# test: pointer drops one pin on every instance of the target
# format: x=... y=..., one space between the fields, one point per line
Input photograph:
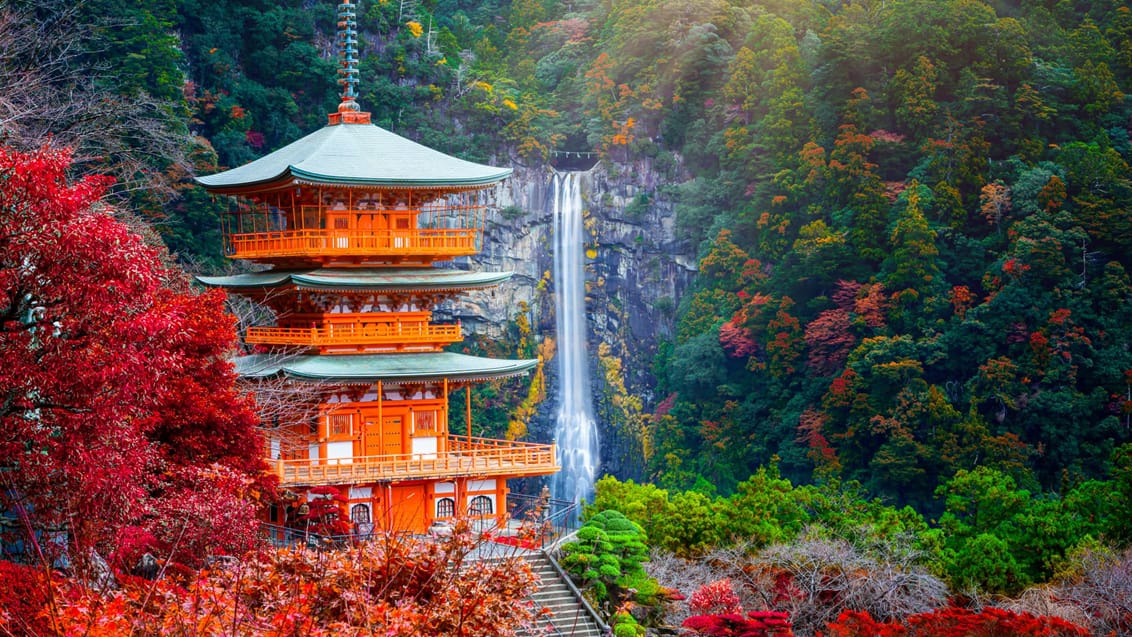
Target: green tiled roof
x=397 y=279
x=384 y=367
x=357 y=154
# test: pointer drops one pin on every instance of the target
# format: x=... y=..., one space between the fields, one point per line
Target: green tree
x=608 y=556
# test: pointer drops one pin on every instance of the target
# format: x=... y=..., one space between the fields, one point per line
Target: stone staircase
x=565 y=613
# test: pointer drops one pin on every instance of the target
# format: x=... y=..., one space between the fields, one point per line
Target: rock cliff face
x=635 y=273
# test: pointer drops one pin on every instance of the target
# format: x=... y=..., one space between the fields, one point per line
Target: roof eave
x=305 y=177
x=475 y=377
x=290 y=281
x=296 y=177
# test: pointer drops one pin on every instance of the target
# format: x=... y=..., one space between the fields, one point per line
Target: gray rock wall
x=635 y=274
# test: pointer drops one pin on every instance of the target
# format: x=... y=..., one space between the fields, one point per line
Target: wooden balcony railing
x=400 y=334
x=479 y=457
x=440 y=242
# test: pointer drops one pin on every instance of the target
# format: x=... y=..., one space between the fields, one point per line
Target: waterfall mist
x=575 y=429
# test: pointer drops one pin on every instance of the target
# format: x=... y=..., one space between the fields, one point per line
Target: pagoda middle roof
x=358 y=368
x=353 y=279
x=359 y=155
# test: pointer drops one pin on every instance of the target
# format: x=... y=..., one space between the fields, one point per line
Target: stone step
x=562 y=612
x=560 y=606
x=557 y=587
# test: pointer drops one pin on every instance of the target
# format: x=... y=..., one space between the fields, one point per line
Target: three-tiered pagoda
x=351 y=220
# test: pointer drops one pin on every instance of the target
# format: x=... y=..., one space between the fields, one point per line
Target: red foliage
x=396 y=586
x=871 y=304
x=786 y=344
x=715 y=598
x=961 y=299
x=830 y=336
x=1014 y=267
x=24 y=593
x=115 y=378
x=132 y=543
x=859 y=624
x=665 y=405
x=829 y=340
x=955 y=622
x=841 y=390
x=326 y=512
x=254 y=139
x=755 y=624
x=810 y=425
x=737 y=341
x=882 y=135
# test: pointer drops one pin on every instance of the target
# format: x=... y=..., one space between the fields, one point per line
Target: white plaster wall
x=425 y=447
x=341 y=451
x=481 y=485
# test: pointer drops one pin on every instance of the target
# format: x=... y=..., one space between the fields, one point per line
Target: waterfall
x=575 y=429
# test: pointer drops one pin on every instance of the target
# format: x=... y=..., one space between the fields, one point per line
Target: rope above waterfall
x=579 y=154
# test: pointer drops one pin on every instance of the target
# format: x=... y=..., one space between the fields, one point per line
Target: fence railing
x=292 y=243
x=377 y=333
x=464 y=456
x=551 y=517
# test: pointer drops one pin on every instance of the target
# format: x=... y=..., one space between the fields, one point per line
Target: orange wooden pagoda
x=351 y=220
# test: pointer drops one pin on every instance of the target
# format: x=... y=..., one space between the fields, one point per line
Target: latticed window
x=480 y=505
x=340 y=424
x=425 y=422
x=359 y=514
x=445 y=508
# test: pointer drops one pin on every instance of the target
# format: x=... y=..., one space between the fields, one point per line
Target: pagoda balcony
x=464 y=457
x=331 y=244
x=392 y=335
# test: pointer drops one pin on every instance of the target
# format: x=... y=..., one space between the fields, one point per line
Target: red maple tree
x=720 y=614
x=955 y=622
x=117 y=406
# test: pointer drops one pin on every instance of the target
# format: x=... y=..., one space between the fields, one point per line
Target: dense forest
x=913 y=217
x=913 y=221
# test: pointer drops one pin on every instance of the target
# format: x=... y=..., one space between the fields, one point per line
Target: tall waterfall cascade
x=575 y=429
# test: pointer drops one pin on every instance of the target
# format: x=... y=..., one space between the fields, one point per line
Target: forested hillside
x=914 y=227
x=914 y=217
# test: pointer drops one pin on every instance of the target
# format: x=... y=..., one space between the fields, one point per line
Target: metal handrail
x=292 y=536
x=561 y=518
x=574 y=589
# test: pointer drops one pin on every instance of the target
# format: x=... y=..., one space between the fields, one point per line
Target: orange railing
x=375 y=333
x=465 y=457
x=308 y=243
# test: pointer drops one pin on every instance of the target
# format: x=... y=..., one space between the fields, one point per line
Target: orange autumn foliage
x=397 y=586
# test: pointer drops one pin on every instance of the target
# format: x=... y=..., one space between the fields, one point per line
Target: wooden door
x=341 y=231
x=410 y=510
x=371 y=438
x=392 y=435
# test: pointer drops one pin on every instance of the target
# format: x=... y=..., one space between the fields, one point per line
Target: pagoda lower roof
x=368 y=368
x=358 y=279
x=355 y=155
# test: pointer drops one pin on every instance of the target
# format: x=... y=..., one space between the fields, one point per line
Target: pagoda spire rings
x=348 y=54
x=348 y=110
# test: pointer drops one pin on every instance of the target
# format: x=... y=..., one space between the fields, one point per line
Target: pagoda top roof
x=357 y=155
x=367 y=368
x=353 y=279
